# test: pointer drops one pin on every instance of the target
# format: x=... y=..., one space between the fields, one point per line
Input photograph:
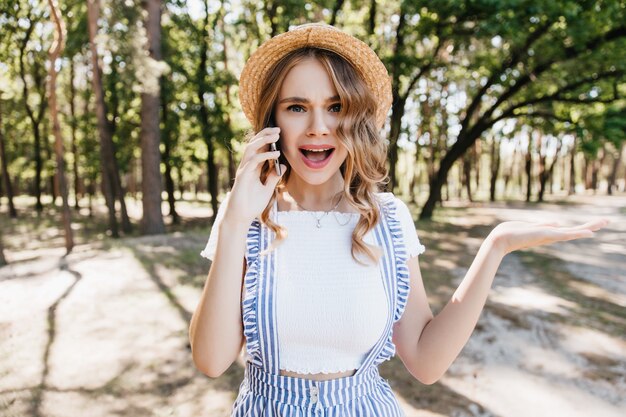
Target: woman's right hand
x=249 y=196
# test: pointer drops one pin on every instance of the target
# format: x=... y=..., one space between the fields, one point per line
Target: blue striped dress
x=263 y=391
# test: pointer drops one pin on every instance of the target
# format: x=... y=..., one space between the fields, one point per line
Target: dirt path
x=104 y=331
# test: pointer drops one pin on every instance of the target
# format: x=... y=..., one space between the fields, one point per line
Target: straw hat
x=323 y=36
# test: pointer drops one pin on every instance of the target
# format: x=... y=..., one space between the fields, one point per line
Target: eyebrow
x=305 y=100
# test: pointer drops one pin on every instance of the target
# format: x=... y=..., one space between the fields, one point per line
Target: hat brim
x=357 y=52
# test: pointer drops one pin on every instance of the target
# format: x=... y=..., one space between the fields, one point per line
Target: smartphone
x=273 y=148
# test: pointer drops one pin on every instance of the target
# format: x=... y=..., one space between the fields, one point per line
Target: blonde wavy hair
x=364 y=169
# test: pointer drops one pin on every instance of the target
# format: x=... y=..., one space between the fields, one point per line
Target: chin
x=315 y=178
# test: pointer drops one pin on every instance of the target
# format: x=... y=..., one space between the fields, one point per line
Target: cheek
x=342 y=152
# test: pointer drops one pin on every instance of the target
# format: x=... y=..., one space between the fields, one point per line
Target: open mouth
x=319 y=155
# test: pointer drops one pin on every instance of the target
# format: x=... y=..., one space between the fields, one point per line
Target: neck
x=320 y=197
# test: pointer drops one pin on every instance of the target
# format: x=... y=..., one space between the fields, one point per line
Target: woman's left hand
x=514 y=235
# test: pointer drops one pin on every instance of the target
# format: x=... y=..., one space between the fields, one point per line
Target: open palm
x=515 y=235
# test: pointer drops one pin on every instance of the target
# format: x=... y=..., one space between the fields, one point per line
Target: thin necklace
x=319 y=225
x=342 y=224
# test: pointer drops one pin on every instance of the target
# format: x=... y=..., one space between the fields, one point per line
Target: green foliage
x=555 y=65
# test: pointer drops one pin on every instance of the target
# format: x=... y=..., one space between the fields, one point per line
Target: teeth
x=316 y=150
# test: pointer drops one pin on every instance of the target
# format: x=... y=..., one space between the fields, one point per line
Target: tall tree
x=107 y=153
x=55 y=52
x=203 y=89
x=73 y=126
x=34 y=112
x=555 y=53
x=8 y=187
x=152 y=220
x=3 y=259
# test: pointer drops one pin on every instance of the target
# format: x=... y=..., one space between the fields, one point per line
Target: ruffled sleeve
x=401 y=270
x=411 y=240
x=251 y=287
x=209 y=250
x=397 y=276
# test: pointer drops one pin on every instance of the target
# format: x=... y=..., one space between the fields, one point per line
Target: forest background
x=492 y=99
x=120 y=119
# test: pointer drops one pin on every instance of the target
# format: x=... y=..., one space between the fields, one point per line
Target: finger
x=273 y=178
x=591 y=225
x=257 y=145
x=575 y=234
x=257 y=159
x=268 y=131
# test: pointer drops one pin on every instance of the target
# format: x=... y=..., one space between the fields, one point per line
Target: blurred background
x=121 y=130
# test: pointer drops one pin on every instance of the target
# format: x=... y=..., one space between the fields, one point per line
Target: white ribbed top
x=330 y=310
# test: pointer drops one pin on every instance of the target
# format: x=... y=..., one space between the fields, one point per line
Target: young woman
x=314 y=270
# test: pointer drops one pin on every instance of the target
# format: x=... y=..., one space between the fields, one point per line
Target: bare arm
x=444 y=336
x=216 y=328
x=427 y=345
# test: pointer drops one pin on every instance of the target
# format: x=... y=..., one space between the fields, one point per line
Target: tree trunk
x=617 y=158
x=53 y=184
x=91 y=189
x=5 y=171
x=467 y=176
x=425 y=127
x=396 y=123
x=508 y=175
x=495 y=167
x=572 y=169
x=232 y=167
x=204 y=114
x=441 y=177
x=542 y=167
x=475 y=155
x=336 y=9
x=563 y=171
x=596 y=164
x=460 y=180
x=415 y=181
x=181 y=183
x=371 y=26
x=34 y=119
x=465 y=140
x=151 y=184
x=167 y=161
x=107 y=154
x=547 y=173
x=55 y=52
x=3 y=260
x=73 y=126
x=398 y=102
x=528 y=167
x=584 y=174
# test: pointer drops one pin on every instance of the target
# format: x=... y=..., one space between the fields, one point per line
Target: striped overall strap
x=266 y=303
x=387 y=270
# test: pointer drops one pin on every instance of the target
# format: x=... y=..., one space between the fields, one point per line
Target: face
x=307 y=112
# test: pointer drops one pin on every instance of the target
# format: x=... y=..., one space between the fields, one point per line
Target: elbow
x=204 y=363
x=211 y=373
x=426 y=374
x=202 y=360
x=211 y=370
x=428 y=379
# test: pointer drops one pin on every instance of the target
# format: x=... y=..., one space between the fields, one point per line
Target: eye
x=296 y=108
x=335 y=108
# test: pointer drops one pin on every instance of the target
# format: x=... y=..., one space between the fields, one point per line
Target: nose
x=318 y=124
